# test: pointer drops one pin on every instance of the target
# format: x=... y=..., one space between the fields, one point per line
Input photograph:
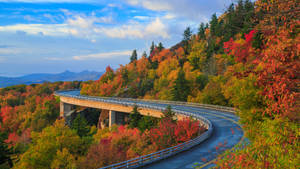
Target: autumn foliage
x=247 y=58
x=26 y=109
x=268 y=67
x=124 y=143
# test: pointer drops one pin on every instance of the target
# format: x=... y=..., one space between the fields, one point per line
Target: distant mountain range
x=44 y=77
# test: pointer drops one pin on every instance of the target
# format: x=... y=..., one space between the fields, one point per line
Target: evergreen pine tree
x=147 y=122
x=180 y=89
x=5 y=151
x=133 y=56
x=144 y=54
x=125 y=75
x=160 y=46
x=134 y=118
x=187 y=34
x=201 y=31
x=80 y=125
x=152 y=47
x=213 y=25
x=169 y=114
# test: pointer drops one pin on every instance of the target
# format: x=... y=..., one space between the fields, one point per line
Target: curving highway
x=226 y=132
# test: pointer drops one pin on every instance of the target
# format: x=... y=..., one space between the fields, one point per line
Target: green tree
x=147 y=122
x=201 y=81
x=5 y=151
x=133 y=56
x=180 y=88
x=201 y=31
x=238 y=19
x=213 y=25
x=145 y=86
x=229 y=26
x=160 y=46
x=125 y=75
x=216 y=26
x=187 y=34
x=144 y=54
x=134 y=118
x=152 y=47
x=169 y=114
x=80 y=125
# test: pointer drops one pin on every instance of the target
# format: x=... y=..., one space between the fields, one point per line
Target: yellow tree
x=48 y=146
x=197 y=56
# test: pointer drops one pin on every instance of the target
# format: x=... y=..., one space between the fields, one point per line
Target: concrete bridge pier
x=65 y=109
x=112 y=117
x=117 y=118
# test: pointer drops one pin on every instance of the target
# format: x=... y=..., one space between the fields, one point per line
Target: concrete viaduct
x=223 y=132
x=117 y=112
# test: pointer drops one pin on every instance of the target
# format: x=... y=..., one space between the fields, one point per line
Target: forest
x=34 y=136
x=247 y=58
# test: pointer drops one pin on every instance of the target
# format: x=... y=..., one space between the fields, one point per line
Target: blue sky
x=51 y=36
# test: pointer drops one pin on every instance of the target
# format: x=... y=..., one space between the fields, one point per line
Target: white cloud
x=85 y=21
x=37 y=29
x=133 y=2
x=53 y=18
x=78 y=25
x=169 y=16
x=103 y=55
x=23 y=51
x=112 y=5
x=55 y=58
x=123 y=31
x=10 y=51
x=141 y=17
x=93 y=56
x=197 y=10
x=80 y=22
x=155 y=28
x=92 y=27
x=156 y=5
x=30 y=18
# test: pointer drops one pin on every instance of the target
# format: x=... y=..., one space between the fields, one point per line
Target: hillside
x=44 y=77
x=192 y=70
x=247 y=58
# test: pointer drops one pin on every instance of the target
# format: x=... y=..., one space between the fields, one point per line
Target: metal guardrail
x=156 y=156
x=205 y=106
x=165 y=153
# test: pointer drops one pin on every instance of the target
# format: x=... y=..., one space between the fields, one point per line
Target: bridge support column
x=112 y=117
x=65 y=109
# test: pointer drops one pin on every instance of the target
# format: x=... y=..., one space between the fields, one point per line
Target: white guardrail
x=159 y=155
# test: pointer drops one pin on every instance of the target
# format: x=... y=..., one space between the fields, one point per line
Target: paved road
x=226 y=134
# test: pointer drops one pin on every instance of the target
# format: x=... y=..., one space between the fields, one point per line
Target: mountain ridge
x=48 y=77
